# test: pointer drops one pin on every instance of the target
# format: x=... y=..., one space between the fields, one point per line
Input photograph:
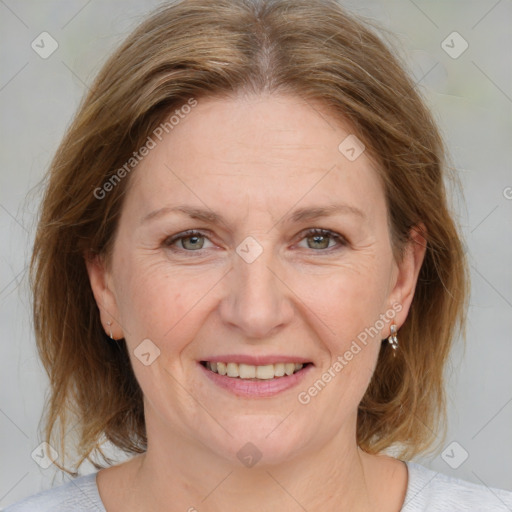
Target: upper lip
x=256 y=360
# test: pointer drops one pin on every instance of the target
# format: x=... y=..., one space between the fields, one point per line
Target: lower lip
x=256 y=388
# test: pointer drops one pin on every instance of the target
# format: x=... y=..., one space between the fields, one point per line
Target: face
x=249 y=243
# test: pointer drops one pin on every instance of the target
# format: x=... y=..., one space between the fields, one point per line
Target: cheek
x=348 y=299
x=349 y=309
x=160 y=302
x=349 y=302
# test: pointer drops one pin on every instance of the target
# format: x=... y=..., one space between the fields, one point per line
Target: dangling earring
x=109 y=323
x=393 y=340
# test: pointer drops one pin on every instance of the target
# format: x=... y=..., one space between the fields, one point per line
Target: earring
x=393 y=340
x=109 y=323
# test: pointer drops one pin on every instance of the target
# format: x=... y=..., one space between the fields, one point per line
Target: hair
x=197 y=49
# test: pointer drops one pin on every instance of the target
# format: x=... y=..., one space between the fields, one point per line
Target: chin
x=260 y=440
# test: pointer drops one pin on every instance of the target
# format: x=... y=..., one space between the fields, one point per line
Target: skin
x=254 y=160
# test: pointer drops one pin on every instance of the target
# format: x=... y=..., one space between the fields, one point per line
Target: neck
x=192 y=477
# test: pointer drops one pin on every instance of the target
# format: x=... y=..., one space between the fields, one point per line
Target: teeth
x=221 y=369
x=248 y=371
x=265 y=372
x=289 y=368
x=279 y=369
x=233 y=370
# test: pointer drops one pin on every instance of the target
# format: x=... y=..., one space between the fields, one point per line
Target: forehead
x=256 y=152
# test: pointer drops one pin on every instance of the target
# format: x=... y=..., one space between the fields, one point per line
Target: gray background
x=471 y=97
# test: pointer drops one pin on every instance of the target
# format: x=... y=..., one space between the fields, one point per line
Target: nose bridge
x=257 y=303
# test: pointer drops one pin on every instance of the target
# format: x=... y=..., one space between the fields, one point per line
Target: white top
x=427 y=490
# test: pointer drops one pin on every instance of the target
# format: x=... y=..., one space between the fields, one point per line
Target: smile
x=255 y=380
x=248 y=371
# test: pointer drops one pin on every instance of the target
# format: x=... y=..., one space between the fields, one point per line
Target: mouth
x=253 y=372
x=255 y=381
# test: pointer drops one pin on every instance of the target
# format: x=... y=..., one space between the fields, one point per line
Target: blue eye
x=190 y=240
x=317 y=240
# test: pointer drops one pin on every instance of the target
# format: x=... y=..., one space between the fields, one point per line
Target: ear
x=408 y=269
x=100 y=280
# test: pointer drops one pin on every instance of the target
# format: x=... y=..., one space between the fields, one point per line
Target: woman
x=246 y=273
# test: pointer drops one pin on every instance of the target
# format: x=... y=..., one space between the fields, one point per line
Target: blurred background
x=458 y=53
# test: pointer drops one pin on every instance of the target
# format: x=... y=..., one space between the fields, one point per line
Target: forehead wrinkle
x=212 y=217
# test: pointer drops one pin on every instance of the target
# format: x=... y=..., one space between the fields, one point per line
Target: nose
x=258 y=301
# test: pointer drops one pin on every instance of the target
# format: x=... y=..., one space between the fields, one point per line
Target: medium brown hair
x=198 y=48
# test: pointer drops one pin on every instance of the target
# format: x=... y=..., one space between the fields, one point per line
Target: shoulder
x=79 y=495
x=433 y=491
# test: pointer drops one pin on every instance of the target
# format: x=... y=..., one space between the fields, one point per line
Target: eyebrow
x=299 y=215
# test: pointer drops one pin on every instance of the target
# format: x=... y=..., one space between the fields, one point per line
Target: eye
x=190 y=240
x=318 y=239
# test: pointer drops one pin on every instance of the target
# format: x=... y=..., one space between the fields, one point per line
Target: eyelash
x=170 y=241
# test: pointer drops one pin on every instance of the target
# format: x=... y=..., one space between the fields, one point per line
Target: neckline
x=407 y=487
x=408 y=490
x=97 y=492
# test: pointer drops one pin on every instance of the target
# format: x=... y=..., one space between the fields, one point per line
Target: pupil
x=190 y=241
x=320 y=239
